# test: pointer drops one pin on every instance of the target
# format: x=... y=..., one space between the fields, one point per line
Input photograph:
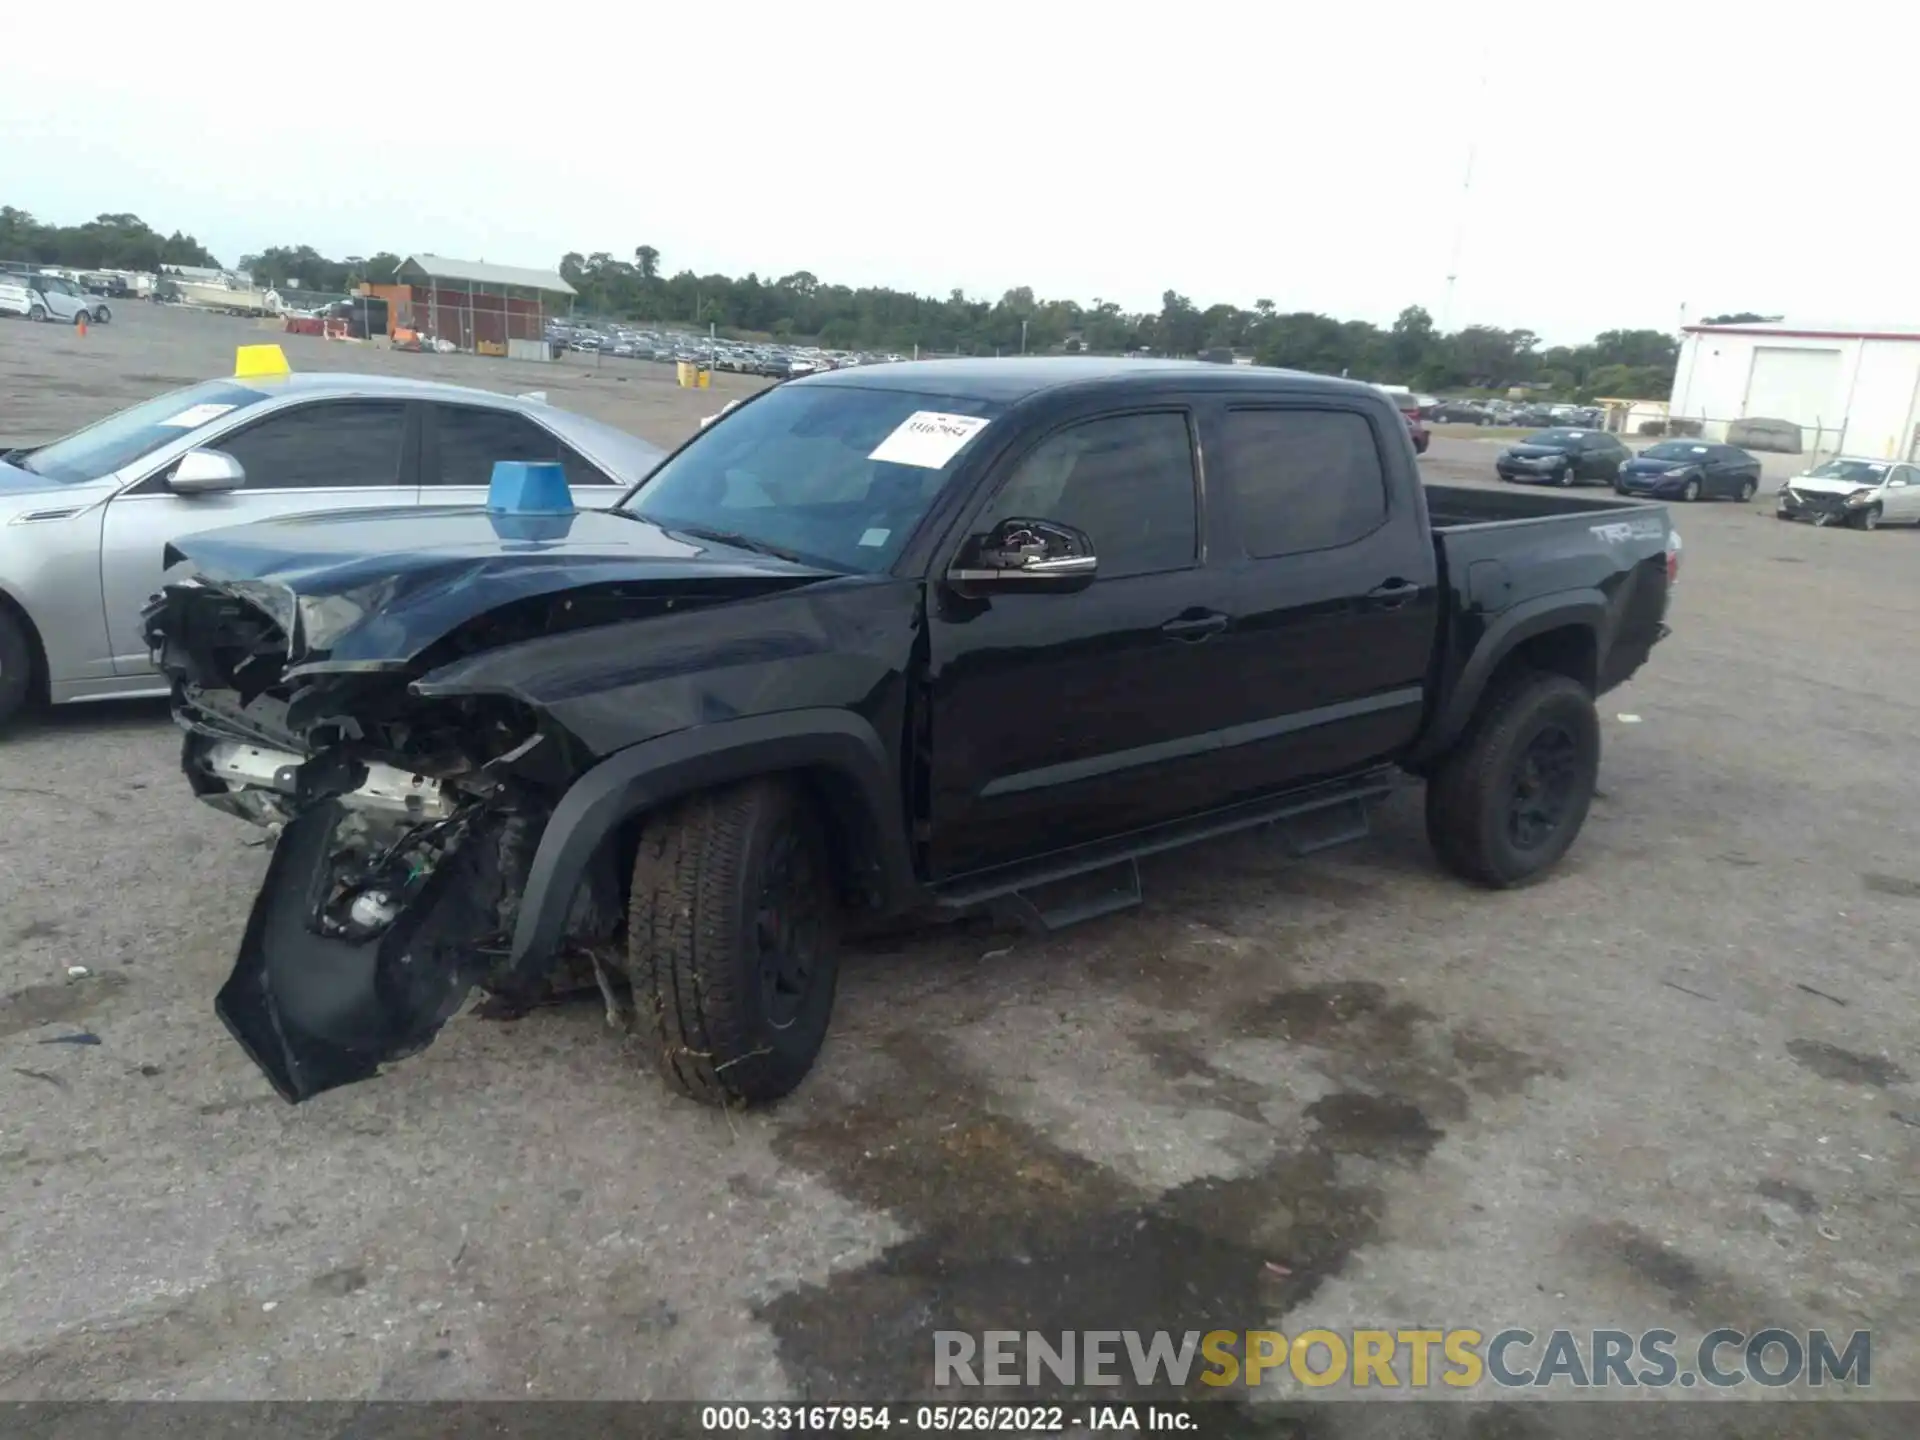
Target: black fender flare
x=642 y=776
x=1586 y=609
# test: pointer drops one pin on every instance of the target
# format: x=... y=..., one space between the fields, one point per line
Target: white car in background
x=50 y=297
x=1858 y=492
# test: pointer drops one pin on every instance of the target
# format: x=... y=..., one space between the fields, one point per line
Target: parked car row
x=1847 y=490
x=1508 y=412
x=774 y=361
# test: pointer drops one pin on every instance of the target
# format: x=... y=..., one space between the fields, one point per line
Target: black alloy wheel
x=1545 y=779
x=788 y=925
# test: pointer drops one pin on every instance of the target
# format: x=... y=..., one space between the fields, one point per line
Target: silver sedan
x=84 y=520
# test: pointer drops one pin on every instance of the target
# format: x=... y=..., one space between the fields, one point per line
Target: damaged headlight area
x=406 y=828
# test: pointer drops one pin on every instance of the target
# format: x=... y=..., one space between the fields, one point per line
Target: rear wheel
x=732 y=933
x=16 y=666
x=102 y=315
x=1506 y=803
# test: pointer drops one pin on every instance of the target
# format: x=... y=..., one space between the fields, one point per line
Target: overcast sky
x=1627 y=160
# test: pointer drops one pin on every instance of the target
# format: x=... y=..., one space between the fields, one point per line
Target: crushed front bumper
x=1818 y=508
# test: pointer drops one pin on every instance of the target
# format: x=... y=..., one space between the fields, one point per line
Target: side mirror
x=1020 y=554
x=206 y=472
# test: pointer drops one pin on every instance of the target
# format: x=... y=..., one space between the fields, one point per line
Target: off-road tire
x=1470 y=790
x=700 y=1010
x=16 y=667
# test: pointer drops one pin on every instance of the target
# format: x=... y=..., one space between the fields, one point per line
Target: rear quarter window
x=1302 y=480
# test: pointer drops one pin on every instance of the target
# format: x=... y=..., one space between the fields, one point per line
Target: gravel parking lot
x=1673 y=1086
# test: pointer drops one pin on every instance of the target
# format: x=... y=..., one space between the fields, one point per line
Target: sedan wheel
x=1747 y=488
x=1566 y=478
x=1691 y=491
x=102 y=315
x=1870 y=518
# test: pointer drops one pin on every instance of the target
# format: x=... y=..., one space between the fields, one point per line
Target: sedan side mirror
x=1035 y=556
x=206 y=472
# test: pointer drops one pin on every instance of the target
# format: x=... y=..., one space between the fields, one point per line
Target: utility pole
x=1466 y=201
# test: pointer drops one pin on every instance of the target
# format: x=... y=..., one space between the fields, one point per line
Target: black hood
x=1647 y=465
x=371 y=589
x=1538 y=452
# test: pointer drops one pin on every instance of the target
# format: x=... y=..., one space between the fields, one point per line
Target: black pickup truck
x=915 y=638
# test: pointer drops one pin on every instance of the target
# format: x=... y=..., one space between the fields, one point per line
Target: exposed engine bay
x=405 y=829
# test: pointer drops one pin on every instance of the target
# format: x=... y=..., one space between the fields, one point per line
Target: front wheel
x=37 y=312
x=1747 y=487
x=102 y=315
x=1506 y=803
x=1567 y=478
x=732 y=930
x=1869 y=518
x=16 y=667
x=1690 y=492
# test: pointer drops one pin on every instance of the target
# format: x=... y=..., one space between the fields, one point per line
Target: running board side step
x=1053 y=891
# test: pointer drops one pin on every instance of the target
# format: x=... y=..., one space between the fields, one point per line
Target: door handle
x=1393 y=594
x=1195 y=627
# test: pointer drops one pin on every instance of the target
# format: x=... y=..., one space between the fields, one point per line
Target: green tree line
x=1412 y=351
x=106 y=242
x=801 y=306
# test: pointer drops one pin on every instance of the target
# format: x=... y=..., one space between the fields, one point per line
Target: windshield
x=1556 y=439
x=1676 y=450
x=834 y=474
x=1860 y=472
x=120 y=439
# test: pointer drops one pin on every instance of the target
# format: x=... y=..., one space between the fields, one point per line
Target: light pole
x=1023 y=337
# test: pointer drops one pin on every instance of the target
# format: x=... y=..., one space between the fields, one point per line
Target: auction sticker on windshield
x=928 y=438
x=194 y=416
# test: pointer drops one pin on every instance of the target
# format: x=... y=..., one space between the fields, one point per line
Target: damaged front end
x=405 y=831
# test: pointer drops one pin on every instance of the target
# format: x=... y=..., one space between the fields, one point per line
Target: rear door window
x=1302 y=480
x=469 y=439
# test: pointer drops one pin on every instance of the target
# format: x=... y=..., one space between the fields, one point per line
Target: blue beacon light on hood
x=529 y=500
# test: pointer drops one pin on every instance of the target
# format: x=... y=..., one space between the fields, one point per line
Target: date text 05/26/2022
x=962 y=1419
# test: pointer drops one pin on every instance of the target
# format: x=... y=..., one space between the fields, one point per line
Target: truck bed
x=1455 y=507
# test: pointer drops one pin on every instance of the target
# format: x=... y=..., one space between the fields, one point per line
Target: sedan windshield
x=837 y=475
x=120 y=439
x=1860 y=472
x=1675 y=450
